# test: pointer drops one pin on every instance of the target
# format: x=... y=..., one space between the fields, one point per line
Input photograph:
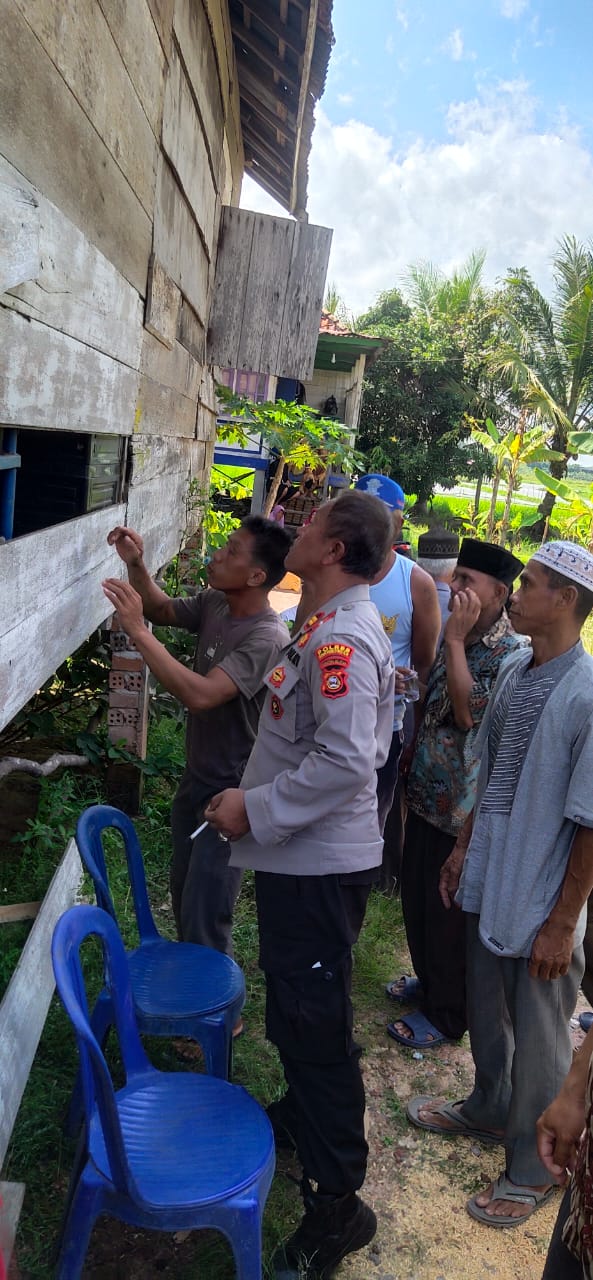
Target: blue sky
x=447 y=127
x=398 y=66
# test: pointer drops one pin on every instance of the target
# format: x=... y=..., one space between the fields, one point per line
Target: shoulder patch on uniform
x=277 y=677
x=334 y=660
x=276 y=707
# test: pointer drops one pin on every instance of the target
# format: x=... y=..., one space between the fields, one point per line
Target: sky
x=448 y=126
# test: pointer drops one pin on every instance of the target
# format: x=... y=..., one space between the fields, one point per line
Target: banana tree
x=512 y=452
x=580 y=513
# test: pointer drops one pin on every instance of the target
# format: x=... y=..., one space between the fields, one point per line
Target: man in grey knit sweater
x=522 y=870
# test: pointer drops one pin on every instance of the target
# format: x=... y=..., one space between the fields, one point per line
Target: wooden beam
x=18 y=911
x=24 y=1008
x=263 y=11
x=246 y=35
x=261 y=145
x=264 y=176
x=273 y=121
x=266 y=99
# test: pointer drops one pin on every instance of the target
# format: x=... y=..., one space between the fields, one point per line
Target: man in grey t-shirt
x=525 y=858
x=238 y=639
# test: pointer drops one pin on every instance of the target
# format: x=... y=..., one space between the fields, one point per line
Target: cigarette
x=198 y=831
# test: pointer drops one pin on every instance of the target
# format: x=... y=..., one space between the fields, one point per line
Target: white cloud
x=402 y=18
x=513 y=8
x=389 y=44
x=454 y=45
x=345 y=99
x=496 y=182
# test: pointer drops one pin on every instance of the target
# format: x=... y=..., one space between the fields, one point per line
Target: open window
x=57 y=475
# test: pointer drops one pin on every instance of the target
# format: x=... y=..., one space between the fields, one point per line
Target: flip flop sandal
x=450 y=1111
x=404 y=990
x=424 y=1035
x=585 y=1021
x=506 y=1190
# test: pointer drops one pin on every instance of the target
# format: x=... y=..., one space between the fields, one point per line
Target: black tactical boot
x=332 y=1227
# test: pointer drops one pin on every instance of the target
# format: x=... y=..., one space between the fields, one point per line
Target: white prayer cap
x=569 y=559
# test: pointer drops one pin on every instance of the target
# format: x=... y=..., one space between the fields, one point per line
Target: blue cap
x=389 y=491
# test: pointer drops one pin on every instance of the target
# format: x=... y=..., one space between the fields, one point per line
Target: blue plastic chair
x=170 y=1150
x=179 y=988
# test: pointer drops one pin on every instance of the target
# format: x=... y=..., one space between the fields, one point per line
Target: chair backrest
x=73 y=927
x=89 y=830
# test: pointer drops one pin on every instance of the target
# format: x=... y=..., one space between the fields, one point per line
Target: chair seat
x=182 y=979
x=172 y=1126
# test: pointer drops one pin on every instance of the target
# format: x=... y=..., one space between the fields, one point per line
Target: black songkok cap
x=489 y=558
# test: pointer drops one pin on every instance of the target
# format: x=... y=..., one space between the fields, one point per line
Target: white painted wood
x=48 y=136
x=154 y=456
x=132 y=28
x=164 y=411
x=193 y=34
x=77 y=39
x=76 y=289
x=24 y=1008
x=49 y=380
x=12 y=1195
x=19 y=234
x=163 y=301
x=177 y=242
x=35 y=569
x=303 y=301
x=268 y=292
x=176 y=368
x=184 y=145
x=157 y=509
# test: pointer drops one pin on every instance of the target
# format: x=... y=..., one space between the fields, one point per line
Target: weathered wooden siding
x=119 y=143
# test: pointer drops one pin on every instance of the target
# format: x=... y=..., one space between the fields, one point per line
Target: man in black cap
x=441 y=789
x=438 y=550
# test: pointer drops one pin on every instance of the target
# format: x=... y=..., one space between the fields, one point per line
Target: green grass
x=39 y=1154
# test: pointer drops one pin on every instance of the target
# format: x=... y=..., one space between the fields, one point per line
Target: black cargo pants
x=307 y=927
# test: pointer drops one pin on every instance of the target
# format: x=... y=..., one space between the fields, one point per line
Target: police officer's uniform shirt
x=326 y=726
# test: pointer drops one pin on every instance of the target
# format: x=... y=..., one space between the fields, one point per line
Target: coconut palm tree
x=544 y=356
x=430 y=291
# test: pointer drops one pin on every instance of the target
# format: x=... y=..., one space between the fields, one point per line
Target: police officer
x=305 y=819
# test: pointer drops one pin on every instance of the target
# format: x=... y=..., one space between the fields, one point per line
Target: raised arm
x=426 y=621
x=194 y=691
x=465 y=612
x=157 y=606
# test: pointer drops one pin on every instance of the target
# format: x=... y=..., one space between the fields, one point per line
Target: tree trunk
x=478 y=496
x=506 y=515
x=270 y=502
x=492 y=512
x=536 y=532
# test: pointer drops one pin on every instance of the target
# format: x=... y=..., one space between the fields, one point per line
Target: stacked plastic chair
x=155 y=1153
x=179 y=988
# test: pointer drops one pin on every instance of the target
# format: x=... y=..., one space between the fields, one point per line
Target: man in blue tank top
x=406 y=598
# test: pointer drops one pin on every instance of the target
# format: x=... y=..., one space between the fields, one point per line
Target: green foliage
x=295 y=433
x=414 y=409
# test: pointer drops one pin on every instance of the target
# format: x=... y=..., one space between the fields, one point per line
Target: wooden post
x=127 y=718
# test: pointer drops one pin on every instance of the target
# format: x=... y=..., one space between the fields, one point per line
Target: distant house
x=341 y=358
x=128 y=275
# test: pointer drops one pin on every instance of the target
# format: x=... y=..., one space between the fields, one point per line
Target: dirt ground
x=418 y=1182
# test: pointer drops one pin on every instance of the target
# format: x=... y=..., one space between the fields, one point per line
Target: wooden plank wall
x=268 y=294
x=119 y=143
x=24 y=1008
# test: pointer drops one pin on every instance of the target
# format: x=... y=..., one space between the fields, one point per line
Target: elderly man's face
x=487 y=589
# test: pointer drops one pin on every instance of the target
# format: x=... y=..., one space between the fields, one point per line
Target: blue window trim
x=9 y=463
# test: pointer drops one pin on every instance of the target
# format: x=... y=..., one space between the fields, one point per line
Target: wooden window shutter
x=268 y=294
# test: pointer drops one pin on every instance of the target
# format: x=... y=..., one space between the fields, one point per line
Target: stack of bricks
x=127 y=715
